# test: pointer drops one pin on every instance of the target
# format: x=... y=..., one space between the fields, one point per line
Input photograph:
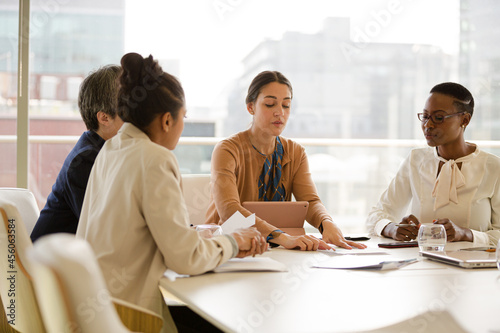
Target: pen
x=483 y=248
x=405 y=225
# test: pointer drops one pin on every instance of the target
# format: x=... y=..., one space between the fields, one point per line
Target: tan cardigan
x=236 y=167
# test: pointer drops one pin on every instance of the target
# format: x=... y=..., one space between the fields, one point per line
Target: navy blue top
x=64 y=203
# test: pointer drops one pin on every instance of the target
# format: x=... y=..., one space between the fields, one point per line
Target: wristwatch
x=274 y=234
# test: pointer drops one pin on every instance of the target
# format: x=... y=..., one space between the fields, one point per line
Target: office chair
x=25 y=203
x=20 y=307
x=72 y=292
x=196 y=191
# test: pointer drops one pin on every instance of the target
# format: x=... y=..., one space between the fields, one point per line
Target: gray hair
x=98 y=92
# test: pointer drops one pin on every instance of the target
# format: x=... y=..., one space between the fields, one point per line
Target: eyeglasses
x=437 y=118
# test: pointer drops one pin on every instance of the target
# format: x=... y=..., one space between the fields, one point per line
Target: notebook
x=464 y=259
x=287 y=216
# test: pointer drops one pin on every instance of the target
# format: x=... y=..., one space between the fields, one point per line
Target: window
x=361 y=70
x=9 y=21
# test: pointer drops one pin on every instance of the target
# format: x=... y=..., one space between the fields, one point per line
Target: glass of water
x=431 y=237
x=209 y=230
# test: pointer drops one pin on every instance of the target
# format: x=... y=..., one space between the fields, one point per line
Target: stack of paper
x=251 y=264
x=376 y=262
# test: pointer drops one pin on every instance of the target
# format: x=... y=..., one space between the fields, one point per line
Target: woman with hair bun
x=134 y=215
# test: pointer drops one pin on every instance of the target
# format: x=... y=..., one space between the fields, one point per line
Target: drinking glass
x=209 y=230
x=431 y=237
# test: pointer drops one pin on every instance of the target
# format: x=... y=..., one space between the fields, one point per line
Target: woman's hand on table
x=406 y=230
x=302 y=242
x=454 y=233
x=333 y=235
x=250 y=242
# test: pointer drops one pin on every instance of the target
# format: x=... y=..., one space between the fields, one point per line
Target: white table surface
x=306 y=299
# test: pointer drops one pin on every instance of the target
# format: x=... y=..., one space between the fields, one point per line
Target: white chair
x=25 y=203
x=72 y=292
x=196 y=191
x=20 y=307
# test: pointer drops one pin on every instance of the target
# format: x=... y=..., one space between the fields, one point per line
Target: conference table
x=423 y=296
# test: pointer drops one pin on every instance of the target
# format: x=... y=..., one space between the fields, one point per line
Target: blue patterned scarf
x=270 y=187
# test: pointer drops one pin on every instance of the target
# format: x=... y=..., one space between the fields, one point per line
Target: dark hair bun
x=152 y=71
x=146 y=91
x=132 y=64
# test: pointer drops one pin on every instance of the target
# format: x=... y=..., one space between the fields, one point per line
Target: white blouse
x=473 y=200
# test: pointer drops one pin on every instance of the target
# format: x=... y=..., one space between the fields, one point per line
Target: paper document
x=354 y=251
x=374 y=262
x=237 y=221
x=247 y=264
x=251 y=264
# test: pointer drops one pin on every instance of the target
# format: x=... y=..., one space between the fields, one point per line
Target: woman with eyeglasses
x=451 y=182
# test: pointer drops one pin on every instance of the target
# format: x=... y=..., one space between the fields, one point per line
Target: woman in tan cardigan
x=260 y=165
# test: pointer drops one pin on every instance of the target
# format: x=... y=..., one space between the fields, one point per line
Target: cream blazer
x=135 y=219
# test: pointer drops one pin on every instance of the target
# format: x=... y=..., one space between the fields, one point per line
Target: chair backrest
x=18 y=297
x=196 y=190
x=70 y=286
x=25 y=203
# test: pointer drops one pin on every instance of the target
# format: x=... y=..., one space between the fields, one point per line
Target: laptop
x=464 y=259
x=287 y=216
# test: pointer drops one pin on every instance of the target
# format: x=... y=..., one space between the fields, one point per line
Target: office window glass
x=68 y=40
x=9 y=18
x=361 y=70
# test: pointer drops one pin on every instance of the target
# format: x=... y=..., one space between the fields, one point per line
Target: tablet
x=288 y=216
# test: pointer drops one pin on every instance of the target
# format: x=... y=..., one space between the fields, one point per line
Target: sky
x=211 y=37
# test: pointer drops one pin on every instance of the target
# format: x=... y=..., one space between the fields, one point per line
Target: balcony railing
x=350 y=174
x=211 y=141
